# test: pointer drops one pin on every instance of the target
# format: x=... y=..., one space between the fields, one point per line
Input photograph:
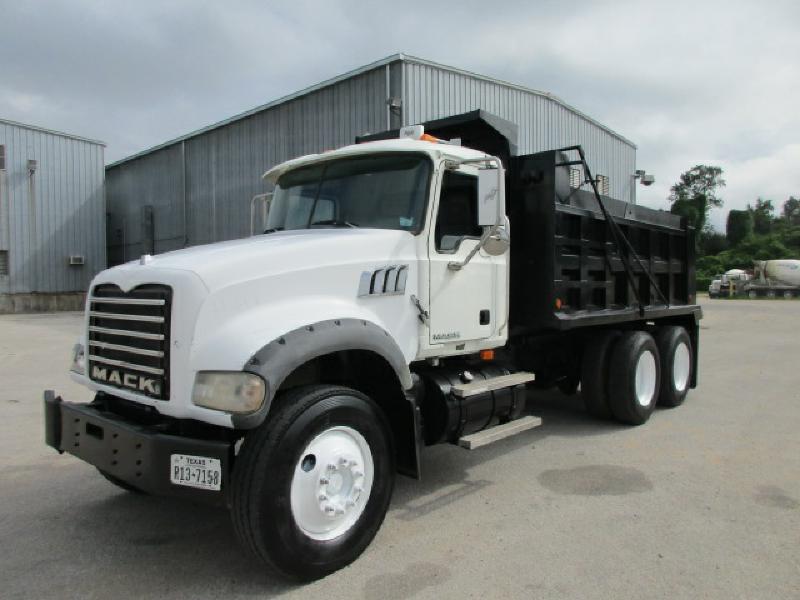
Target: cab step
x=480 y=386
x=499 y=432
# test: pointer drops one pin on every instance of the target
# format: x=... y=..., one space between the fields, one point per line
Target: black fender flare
x=275 y=361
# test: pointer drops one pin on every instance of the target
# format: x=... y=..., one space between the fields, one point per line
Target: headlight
x=229 y=391
x=78 y=360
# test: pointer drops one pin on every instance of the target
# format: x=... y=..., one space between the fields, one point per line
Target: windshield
x=381 y=192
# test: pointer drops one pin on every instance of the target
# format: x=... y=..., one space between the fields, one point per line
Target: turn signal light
x=487 y=354
x=558 y=303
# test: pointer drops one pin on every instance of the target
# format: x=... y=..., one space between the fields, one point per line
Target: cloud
x=689 y=82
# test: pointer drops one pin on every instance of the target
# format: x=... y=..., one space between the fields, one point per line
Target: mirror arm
x=455 y=265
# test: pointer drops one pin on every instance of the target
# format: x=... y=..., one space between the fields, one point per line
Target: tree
x=696 y=192
x=762 y=214
x=739 y=226
x=711 y=242
x=791 y=211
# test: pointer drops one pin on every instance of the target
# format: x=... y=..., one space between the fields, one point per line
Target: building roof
x=51 y=131
x=399 y=57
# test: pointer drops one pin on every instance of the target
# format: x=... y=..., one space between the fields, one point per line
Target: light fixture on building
x=645 y=179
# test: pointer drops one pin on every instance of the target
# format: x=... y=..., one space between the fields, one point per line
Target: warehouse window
x=3 y=262
x=2 y=157
x=602 y=184
x=458 y=211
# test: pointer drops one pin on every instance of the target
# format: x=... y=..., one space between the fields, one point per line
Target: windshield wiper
x=272 y=230
x=335 y=223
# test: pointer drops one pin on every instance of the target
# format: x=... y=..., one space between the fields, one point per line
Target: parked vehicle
x=774 y=278
x=404 y=293
x=715 y=288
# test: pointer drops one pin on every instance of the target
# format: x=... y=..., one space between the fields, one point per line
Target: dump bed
x=566 y=270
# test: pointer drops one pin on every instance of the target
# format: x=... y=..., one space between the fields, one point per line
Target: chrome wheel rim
x=681 y=367
x=645 y=378
x=331 y=483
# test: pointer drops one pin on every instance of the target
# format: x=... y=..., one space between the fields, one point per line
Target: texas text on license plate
x=196 y=471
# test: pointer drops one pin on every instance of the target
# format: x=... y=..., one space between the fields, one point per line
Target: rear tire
x=634 y=377
x=312 y=484
x=675 y=350
x=594 y=373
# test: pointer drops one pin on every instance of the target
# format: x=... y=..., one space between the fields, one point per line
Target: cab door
x=463 y=303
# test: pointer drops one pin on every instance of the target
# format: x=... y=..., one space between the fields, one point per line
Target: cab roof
x=433 y=149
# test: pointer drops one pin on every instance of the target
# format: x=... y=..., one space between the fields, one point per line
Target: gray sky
x=689 y=82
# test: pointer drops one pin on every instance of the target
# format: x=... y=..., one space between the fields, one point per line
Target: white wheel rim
x=681 y=366
x=787 y=294
x=646 y=378
x=331 y=483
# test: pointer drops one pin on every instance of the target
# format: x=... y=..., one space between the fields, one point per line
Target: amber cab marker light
x=558 y=303
x=487 y=354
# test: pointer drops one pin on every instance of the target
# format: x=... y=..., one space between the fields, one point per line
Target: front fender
x=280 y=357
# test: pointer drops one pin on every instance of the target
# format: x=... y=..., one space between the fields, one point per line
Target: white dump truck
x=404 y=292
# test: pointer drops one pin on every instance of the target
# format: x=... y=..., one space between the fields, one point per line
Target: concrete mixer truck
x=774 y=278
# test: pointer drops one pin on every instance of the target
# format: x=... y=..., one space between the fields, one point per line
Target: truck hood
x=228 y=263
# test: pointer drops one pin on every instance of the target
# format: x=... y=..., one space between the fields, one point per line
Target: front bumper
x=135 y=454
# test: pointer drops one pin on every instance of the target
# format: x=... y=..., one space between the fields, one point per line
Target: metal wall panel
x=217 y=172
x=52 y=213
x=201 y=185
x=431 y=92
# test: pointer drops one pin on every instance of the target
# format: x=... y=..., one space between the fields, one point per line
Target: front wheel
x=312 y=484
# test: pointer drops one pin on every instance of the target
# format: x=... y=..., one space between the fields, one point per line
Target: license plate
x=196 y=471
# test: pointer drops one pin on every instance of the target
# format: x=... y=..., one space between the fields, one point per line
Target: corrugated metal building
x=52 y=217
x=197 y=188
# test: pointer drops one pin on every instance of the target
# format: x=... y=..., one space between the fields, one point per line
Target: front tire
x=312 y=484
x=634 y=378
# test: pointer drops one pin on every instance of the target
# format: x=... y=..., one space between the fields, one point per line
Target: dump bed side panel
x=565 y=270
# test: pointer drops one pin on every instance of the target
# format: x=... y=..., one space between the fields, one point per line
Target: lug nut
x=322 y=497
x=343 y=461
x=331 y=467
x=357 y=490
x=350 y=503
x=329 y=509
x=339 y=511
x=324 y=481
x=358 y=474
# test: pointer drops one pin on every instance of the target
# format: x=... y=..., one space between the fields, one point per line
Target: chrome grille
x=129 y=338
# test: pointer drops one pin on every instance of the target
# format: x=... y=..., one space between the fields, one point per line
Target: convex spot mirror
x=497 y=242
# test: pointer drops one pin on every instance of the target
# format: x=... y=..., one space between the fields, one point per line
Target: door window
x=458 y=211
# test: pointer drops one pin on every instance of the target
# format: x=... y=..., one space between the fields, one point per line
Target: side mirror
x=489 y=201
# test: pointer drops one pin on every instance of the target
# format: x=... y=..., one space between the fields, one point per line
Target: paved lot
x=703 y=501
